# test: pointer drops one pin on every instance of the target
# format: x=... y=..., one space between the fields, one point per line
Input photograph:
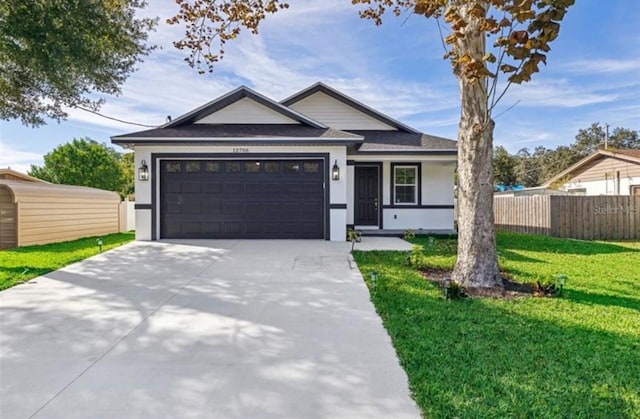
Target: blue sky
x=593 y=75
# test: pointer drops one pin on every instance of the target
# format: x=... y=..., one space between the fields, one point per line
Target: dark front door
x=273 y=199
x=367 y=191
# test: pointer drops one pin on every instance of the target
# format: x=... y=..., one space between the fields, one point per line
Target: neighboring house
x=605 y=172
x=246 y=166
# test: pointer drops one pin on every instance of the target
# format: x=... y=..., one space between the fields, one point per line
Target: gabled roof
x=8 y=173
x=234 y=96
x=630 y=155
x=264 y=133
x=384 y=142
x=347 y=100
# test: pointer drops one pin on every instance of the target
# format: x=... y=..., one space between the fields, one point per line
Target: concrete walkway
x=202 y=329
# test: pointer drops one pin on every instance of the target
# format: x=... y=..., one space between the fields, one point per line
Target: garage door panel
x=213 y=187
x=212 y=228
x=242 y=199
x=253 y=228
x=232 y=228
x=191 y=188
x=232 y=208
x=191 y=227
x=173 y=208
x=233 y=188
x=174 y=187
x=212 y=206
x=190 y=207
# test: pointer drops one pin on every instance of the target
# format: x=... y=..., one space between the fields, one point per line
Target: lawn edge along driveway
x=575 y=356
x=21 y=264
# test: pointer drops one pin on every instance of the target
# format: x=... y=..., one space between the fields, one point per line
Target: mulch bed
x=511 y=289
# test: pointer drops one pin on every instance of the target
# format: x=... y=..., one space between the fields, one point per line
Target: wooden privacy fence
x=577 y=217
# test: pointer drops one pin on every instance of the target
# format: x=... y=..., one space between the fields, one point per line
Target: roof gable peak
x=235 y=96
x=349 y=101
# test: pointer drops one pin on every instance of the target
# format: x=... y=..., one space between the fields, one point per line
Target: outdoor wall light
x=143 y=171
x=447 y=287
x=335 y=172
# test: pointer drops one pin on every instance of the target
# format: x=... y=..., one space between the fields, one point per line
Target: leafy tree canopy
x=55 y=52
x=537 y=167
x=85 y=162
x=504 y=167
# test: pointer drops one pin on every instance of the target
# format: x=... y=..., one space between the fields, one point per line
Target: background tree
x=84 y=162
x=519 y=33
x=504 y=167
x=127 y=167
x=593 y=138
x=54 y=52
x=537 y=167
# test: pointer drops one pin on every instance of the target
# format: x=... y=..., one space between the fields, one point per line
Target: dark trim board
x=143 y=206
x=337 y=206
x=234 y=96
x=231 y=142
x=392 y=181
x=417 y=206
x=154 y=180
x=405 y=152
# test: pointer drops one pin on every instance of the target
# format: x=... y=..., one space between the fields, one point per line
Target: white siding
x=335 y=114
x=437 y=184
x=246 y=111
x=417 y=219
x=604 y=187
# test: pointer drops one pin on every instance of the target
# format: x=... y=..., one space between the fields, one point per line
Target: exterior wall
x=246 y=111
x=8 y=219
x=127 y=216
x=605 y=187
x=45 y=220
x=435 y=208
x=337 y=191
x=335 y=114
x=606 y=166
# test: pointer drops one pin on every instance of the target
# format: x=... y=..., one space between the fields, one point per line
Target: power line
x=122 y=121
x=82 y=108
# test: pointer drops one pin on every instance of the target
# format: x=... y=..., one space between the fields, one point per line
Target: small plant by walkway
x=24 y=263
x=573 y=356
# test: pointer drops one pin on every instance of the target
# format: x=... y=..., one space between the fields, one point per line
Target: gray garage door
x=242 y=199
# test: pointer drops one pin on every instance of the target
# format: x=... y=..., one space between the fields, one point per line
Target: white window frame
x=416 y=185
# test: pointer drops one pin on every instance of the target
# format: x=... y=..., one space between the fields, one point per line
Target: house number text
x=241 y=150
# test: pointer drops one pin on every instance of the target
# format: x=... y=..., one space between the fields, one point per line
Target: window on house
x=405 y=185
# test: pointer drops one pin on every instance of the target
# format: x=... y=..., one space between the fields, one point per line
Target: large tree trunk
x=477 y=264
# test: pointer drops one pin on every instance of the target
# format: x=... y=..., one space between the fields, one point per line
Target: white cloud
x=555 y=93
x=597 y=65
x=17 y=159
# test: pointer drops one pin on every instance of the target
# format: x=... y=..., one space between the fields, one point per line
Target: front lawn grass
x=575 y=356
x=24 y=263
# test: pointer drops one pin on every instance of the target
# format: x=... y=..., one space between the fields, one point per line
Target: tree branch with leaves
x=519 y=34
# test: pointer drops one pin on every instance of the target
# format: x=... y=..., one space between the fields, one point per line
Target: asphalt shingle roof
x=241 y=131
x=397 y=141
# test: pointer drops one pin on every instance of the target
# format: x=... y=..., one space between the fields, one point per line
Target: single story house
x=310 y=166
x=605 y=172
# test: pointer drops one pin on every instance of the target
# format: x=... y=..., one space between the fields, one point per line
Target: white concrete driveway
x=202 y=329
